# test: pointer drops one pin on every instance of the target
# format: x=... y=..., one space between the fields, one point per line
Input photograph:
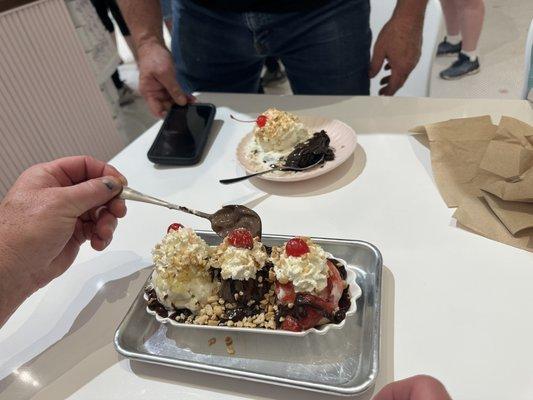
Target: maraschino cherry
x=296 y=247
x=174 y=227
x=261 y=120
x=241 y=238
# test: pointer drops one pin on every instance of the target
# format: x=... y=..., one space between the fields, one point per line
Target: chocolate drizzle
x=237 y=314
x=177 y=314
x=340 y=267
x=246 y=295
x=311 y=151
x=155 y=305
x=244 y=292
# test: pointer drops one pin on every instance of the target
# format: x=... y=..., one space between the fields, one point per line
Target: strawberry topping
x=290 y=324
x=285 y=293
x=311 y=319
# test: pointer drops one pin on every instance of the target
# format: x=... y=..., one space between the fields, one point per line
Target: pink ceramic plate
x=343 y=140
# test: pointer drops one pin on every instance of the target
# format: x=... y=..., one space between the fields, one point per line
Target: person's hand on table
x=50 y=211
x=420 y=387
x=157 y=79
x=399 y=46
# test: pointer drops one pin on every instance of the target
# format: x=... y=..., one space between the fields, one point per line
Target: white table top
x=455 y=305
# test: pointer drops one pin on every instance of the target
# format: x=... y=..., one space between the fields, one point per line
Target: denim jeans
x=324 y=50
x=166 y=9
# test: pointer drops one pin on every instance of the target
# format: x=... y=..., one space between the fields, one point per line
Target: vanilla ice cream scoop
x=281 y=132
x=181 y=278
x=308 y=272
x=239 y=263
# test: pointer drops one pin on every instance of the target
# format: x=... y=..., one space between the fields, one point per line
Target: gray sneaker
x=445 y=48
x=460 y=68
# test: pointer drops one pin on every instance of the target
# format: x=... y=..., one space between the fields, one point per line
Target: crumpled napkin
x=486 y=171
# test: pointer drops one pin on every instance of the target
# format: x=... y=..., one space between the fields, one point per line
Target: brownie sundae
x=309 y=286
x=280 y=138
x=237 y=261
x=243 y=283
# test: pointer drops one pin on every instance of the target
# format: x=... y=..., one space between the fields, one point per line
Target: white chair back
x=417 y=84
x=528 y=78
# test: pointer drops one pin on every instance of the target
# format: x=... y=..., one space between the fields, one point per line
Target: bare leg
x=451 y=17
x=472 y=13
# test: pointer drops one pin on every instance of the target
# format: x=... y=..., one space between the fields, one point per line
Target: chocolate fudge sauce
x=231 y=217
x=311 y=151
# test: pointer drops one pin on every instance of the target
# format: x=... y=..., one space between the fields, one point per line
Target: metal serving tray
x=341 y=362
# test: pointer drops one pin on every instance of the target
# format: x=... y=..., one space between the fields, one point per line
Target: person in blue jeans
x=221 y=46
x=166 y=13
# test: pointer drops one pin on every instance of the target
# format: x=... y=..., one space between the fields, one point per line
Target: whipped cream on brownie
x=308 y=272
x=239 y=263
x=181 y=278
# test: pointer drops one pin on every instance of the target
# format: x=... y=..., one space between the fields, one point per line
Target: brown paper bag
x=506 y=160
x=510 y=157
x=476 y=215
x=515 y=215
x=512 y=130
x=515 y=189
x=457 y=147
x=472 y=154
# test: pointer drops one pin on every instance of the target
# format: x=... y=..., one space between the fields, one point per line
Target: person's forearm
x=411 y=9
x=15 y=286
x=144 y=20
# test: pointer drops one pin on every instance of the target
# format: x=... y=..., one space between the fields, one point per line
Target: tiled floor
x=501 y=51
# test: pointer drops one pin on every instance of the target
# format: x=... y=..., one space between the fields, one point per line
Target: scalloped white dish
x=354 y=290
x=342 y=139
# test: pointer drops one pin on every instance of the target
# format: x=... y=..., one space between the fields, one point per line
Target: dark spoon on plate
x=272 y=168
x=222 y=221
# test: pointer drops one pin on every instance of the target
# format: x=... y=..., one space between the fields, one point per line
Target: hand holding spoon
x=222 y=222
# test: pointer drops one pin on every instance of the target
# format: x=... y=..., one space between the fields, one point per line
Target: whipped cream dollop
x=307 y=273
x=239 y=263
x=181 y=278
x=281 y=132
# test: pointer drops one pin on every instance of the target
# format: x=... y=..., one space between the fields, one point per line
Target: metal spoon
x=274 y=168
x=222 y=222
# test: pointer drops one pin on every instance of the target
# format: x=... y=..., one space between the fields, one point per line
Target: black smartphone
x=183 y=135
